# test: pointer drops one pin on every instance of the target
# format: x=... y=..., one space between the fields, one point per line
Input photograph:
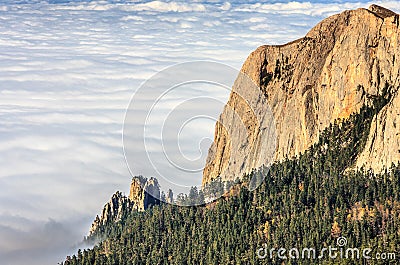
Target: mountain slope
x=334 y=97
x=303 y=203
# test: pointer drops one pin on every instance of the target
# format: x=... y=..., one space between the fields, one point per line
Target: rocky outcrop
x=343 y=63
x=170 y=197
x=118 y=206
x=143 y=194
x=383 y=144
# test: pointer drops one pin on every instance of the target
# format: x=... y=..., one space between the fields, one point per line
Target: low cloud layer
x=67 y=72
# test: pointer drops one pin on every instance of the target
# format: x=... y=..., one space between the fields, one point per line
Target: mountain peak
x=381 y=11
x=343 y=63
x=144 y=193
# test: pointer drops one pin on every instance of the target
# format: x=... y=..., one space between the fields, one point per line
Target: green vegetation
x=303 y=202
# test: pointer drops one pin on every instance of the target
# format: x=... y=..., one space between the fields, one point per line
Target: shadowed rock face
x=112 y=212
x=340 y=65
x=143 y=194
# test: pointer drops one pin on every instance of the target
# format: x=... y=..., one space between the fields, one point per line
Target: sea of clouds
x=68 y=70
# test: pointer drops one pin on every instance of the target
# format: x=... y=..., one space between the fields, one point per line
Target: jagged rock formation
x=344 y=62
x=170 y=197
x=143 y=194
x=113 y=211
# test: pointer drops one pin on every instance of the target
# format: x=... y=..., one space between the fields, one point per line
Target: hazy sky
x=68 y=70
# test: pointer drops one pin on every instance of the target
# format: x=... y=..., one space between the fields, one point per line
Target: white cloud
x=226 y=6
x=33 y=239
x=311 y=9
x=160 y=6
x=186 y=25
x=136 y=18
x=67 y=73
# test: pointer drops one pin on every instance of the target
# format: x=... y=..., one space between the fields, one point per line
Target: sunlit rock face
x=112 y=212
x=143 y=194
x=344 y=62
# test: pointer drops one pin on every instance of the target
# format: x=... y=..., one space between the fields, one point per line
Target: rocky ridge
x=143 y=194
x=113 y=211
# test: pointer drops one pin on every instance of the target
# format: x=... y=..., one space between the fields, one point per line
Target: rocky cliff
x=344 y=62
x=112 y=212
x=143 y=194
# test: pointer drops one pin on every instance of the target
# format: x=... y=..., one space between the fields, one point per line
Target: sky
x=68 y=72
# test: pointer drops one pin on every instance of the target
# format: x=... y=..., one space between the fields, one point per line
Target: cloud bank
x=67 y=72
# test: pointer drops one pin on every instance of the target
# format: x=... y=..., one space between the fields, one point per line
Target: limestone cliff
x=343 y=63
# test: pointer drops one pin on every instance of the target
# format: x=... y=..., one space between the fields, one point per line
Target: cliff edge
x=342 y=64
